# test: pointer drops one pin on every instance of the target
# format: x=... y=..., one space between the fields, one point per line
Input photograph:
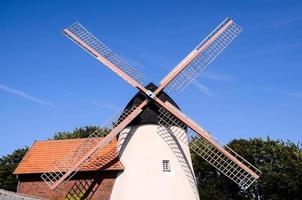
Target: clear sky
x=48 y=84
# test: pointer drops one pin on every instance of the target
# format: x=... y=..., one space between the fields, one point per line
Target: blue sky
x=48 y=84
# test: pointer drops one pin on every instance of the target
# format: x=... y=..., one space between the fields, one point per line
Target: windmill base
x=157 y=166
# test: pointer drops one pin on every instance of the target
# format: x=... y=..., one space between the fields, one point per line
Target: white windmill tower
x=153 y=133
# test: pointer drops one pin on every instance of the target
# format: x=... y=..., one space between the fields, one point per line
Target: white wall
x=142 y=150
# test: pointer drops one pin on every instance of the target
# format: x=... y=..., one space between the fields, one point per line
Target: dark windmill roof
x=151 y=112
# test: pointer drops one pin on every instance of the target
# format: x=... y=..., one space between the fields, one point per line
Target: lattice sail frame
x=207 y=151
x=205 y=57
x=59 y=169
x=90 y=40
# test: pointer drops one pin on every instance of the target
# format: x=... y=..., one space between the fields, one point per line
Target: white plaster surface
x=142 y=150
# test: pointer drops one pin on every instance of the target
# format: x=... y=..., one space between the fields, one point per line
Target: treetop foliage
x=280 y=163
x=82 y=132
x=8 y=164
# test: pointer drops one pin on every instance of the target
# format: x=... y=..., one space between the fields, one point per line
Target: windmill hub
x=150 y=115
x=150 y=94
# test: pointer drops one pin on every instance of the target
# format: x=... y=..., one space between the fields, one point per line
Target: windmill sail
x=218 y=155
x=64 y=170
x=203 y=144
x=81 y=36
x=199 y=59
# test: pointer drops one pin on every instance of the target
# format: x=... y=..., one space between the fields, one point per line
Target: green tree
x=280 y=163
x=82 y=132
x=8 y=164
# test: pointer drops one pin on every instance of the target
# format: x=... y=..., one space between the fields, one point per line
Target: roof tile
x=43 y=154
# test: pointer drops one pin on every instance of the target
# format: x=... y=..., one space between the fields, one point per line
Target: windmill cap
x=150 y=114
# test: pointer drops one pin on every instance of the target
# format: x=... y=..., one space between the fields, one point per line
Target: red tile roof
x=43 y=154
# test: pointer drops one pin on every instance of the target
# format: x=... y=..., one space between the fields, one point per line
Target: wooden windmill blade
x=199 y=59
x=62 y=171
x=209 y=148
x=81 y=36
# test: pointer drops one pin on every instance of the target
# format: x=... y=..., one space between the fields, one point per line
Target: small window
x=166 y=166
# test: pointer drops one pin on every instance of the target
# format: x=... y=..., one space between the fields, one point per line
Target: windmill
x=171 y=121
